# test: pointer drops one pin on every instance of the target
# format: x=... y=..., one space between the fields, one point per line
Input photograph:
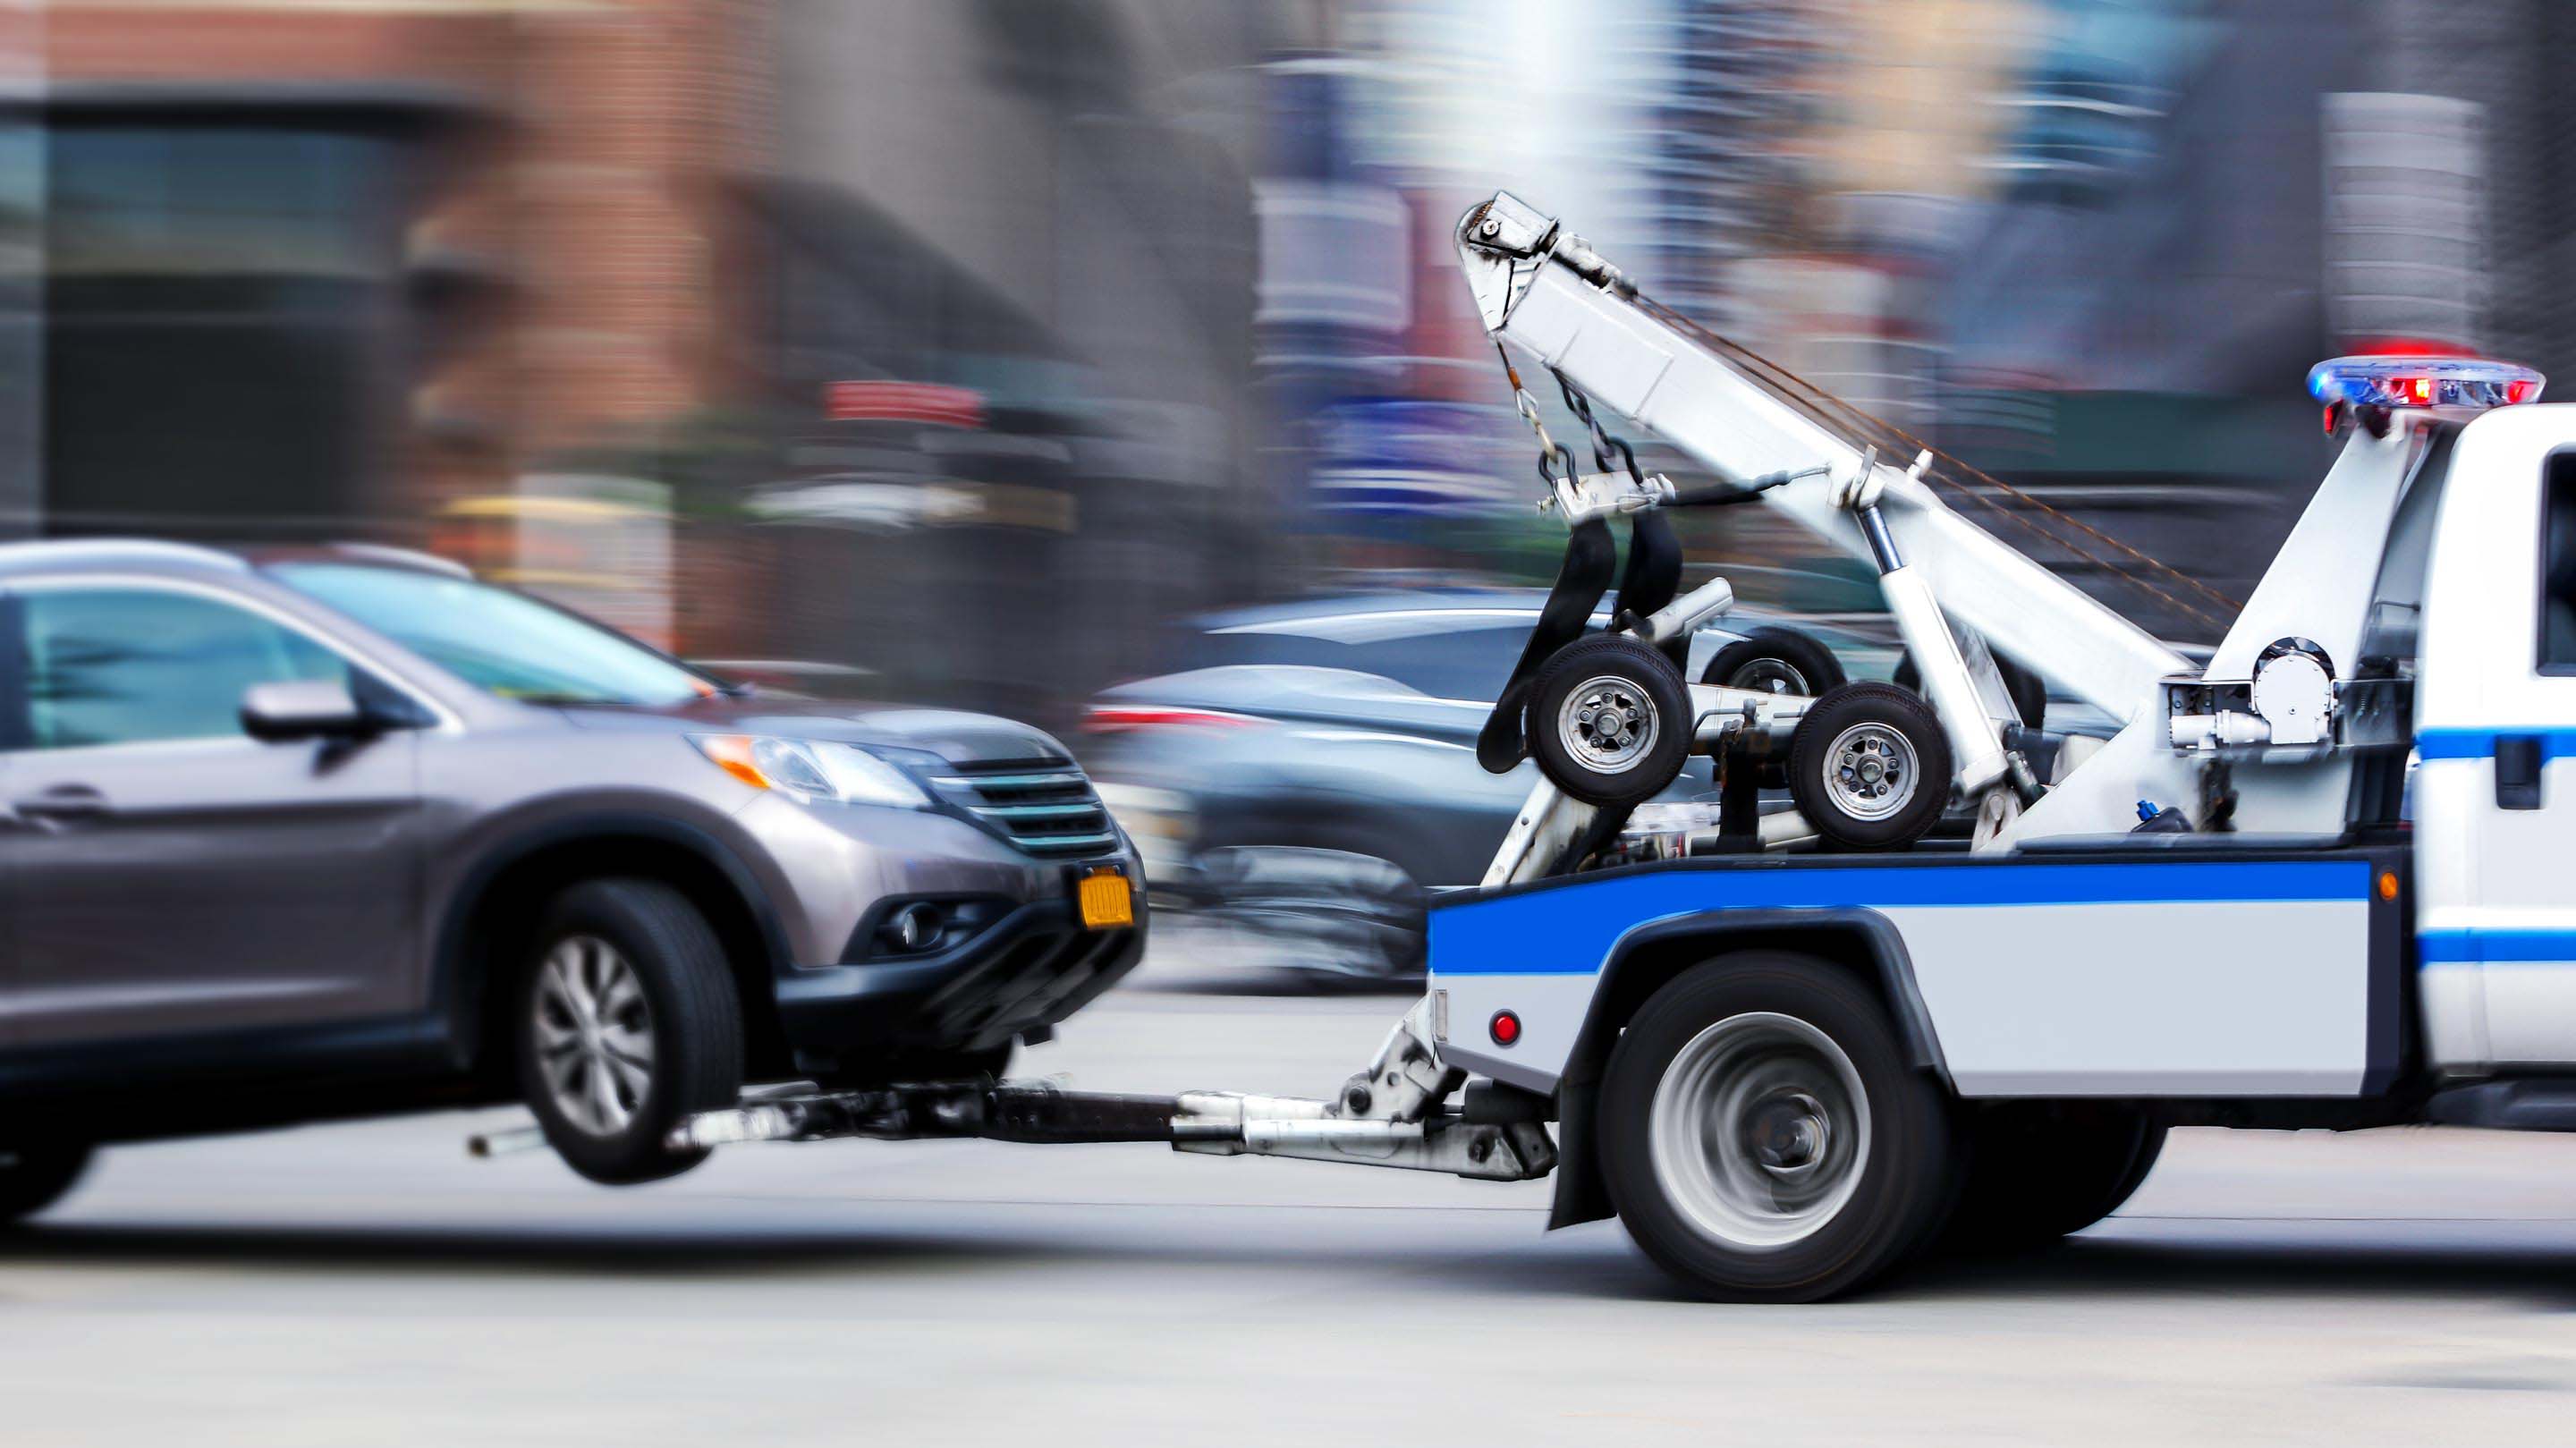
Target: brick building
x=327 y=267
x=561 y=286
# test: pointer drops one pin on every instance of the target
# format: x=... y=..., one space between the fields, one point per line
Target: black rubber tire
x=1770 y=656
x=2040 y=1171
x=696 y=1022
x=35 y=1176
x=1854 y=704
x=1906 y=1181
x=1655 y=682
x=2029 y=694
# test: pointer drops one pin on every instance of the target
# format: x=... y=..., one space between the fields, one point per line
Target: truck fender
x=1653 y=953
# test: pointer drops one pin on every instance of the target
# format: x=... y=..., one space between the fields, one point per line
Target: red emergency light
x=929 y=402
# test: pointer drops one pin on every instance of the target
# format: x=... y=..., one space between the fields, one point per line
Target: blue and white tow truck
x=1794 y=1050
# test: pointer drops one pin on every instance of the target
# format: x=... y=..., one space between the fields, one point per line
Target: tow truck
x=1793 y=1051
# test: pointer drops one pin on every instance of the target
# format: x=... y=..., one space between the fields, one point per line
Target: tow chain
x=1603 y=444
x=1550 y=451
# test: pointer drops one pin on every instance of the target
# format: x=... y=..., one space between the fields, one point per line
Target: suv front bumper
x=1025 y=972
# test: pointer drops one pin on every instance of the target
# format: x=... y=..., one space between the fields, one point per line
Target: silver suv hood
x=953 y=735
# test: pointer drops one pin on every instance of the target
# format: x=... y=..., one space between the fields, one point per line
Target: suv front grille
x=1045 y=807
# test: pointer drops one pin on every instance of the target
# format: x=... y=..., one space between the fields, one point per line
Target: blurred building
x=776 y=329
x=310 y=268
x=1047 y=212
x=2199 y=203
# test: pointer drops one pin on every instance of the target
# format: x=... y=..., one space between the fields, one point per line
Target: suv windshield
x=505 y=642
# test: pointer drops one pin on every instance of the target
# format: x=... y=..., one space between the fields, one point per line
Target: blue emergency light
x=2422 y=382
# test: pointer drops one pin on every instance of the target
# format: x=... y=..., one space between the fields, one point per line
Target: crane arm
x=1548 y=294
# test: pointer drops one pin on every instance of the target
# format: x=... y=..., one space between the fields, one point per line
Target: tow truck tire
x=1775 y=661
x=1869 y=767
x=2039 y=1171
x=1610 y=721
x=1763 y=1137
x=34 y=1176
x=628 y=1021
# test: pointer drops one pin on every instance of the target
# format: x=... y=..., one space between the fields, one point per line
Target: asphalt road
x=368 y=1284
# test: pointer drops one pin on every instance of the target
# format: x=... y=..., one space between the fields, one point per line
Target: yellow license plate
x=1106 y=900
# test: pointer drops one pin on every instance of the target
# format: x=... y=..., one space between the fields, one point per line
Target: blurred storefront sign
x=880 y=401
x=600 y=545
x=1394 y=457
x=878 y=506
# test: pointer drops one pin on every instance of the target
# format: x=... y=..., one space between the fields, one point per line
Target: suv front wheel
x=628 y=1022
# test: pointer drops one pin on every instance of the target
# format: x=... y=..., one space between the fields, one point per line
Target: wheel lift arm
x=1393 y=1114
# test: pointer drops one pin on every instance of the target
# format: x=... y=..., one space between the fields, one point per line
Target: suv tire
x=627 y=1022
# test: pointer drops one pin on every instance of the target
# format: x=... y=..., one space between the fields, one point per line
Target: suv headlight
x=806 y=770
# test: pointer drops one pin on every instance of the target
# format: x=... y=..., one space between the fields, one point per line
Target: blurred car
x=1311 y=769
x=337 y=831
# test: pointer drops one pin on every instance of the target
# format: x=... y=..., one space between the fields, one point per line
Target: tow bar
x=1394 y=1114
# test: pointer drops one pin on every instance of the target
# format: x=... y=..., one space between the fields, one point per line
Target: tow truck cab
x=2495 y=738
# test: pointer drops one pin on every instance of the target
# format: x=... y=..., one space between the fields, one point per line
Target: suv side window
x=2558 y=567
x=130 y=665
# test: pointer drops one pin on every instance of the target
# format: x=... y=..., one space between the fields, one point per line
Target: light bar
x=2422 y=382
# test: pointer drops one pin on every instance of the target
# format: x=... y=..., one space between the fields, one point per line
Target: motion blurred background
x=956 y=349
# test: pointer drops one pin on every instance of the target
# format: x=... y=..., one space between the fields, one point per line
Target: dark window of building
x=220 y=309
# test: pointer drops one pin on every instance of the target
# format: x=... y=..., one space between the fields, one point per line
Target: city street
x=369 y=1283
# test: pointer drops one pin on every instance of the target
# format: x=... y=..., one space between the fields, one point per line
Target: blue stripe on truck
x=2478 y=947
x=2431 y=744
x=1570 y=929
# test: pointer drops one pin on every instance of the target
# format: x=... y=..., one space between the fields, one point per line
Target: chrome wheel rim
x=1607 y=724
x=1760 y=1130
x=594 y=1034
x=1770 y=676
x=1871 y=771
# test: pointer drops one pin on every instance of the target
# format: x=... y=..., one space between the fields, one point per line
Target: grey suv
x=302 y=834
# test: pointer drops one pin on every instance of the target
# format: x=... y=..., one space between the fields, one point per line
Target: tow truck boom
x=1546 y=293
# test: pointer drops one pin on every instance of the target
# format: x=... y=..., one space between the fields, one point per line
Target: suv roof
x=57 y=554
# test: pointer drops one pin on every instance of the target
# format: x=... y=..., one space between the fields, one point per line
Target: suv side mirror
x=284 y=710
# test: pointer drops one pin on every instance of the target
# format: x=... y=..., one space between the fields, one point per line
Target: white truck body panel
x=2039 y=977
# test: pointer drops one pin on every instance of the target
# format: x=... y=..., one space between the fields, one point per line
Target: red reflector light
x=2420 y=388
x=1118 y=718
x=1505 y=1028
x=2518 y=390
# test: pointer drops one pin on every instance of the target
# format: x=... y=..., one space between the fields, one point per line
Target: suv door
x=166 y=873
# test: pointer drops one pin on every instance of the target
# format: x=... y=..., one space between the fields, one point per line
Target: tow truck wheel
x=1775 y=661
x=627 y=1022
x=1763 y=1137
x=2039 y=1171
x=34 y=1176
x=1869 y=767
x=1610 y=721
